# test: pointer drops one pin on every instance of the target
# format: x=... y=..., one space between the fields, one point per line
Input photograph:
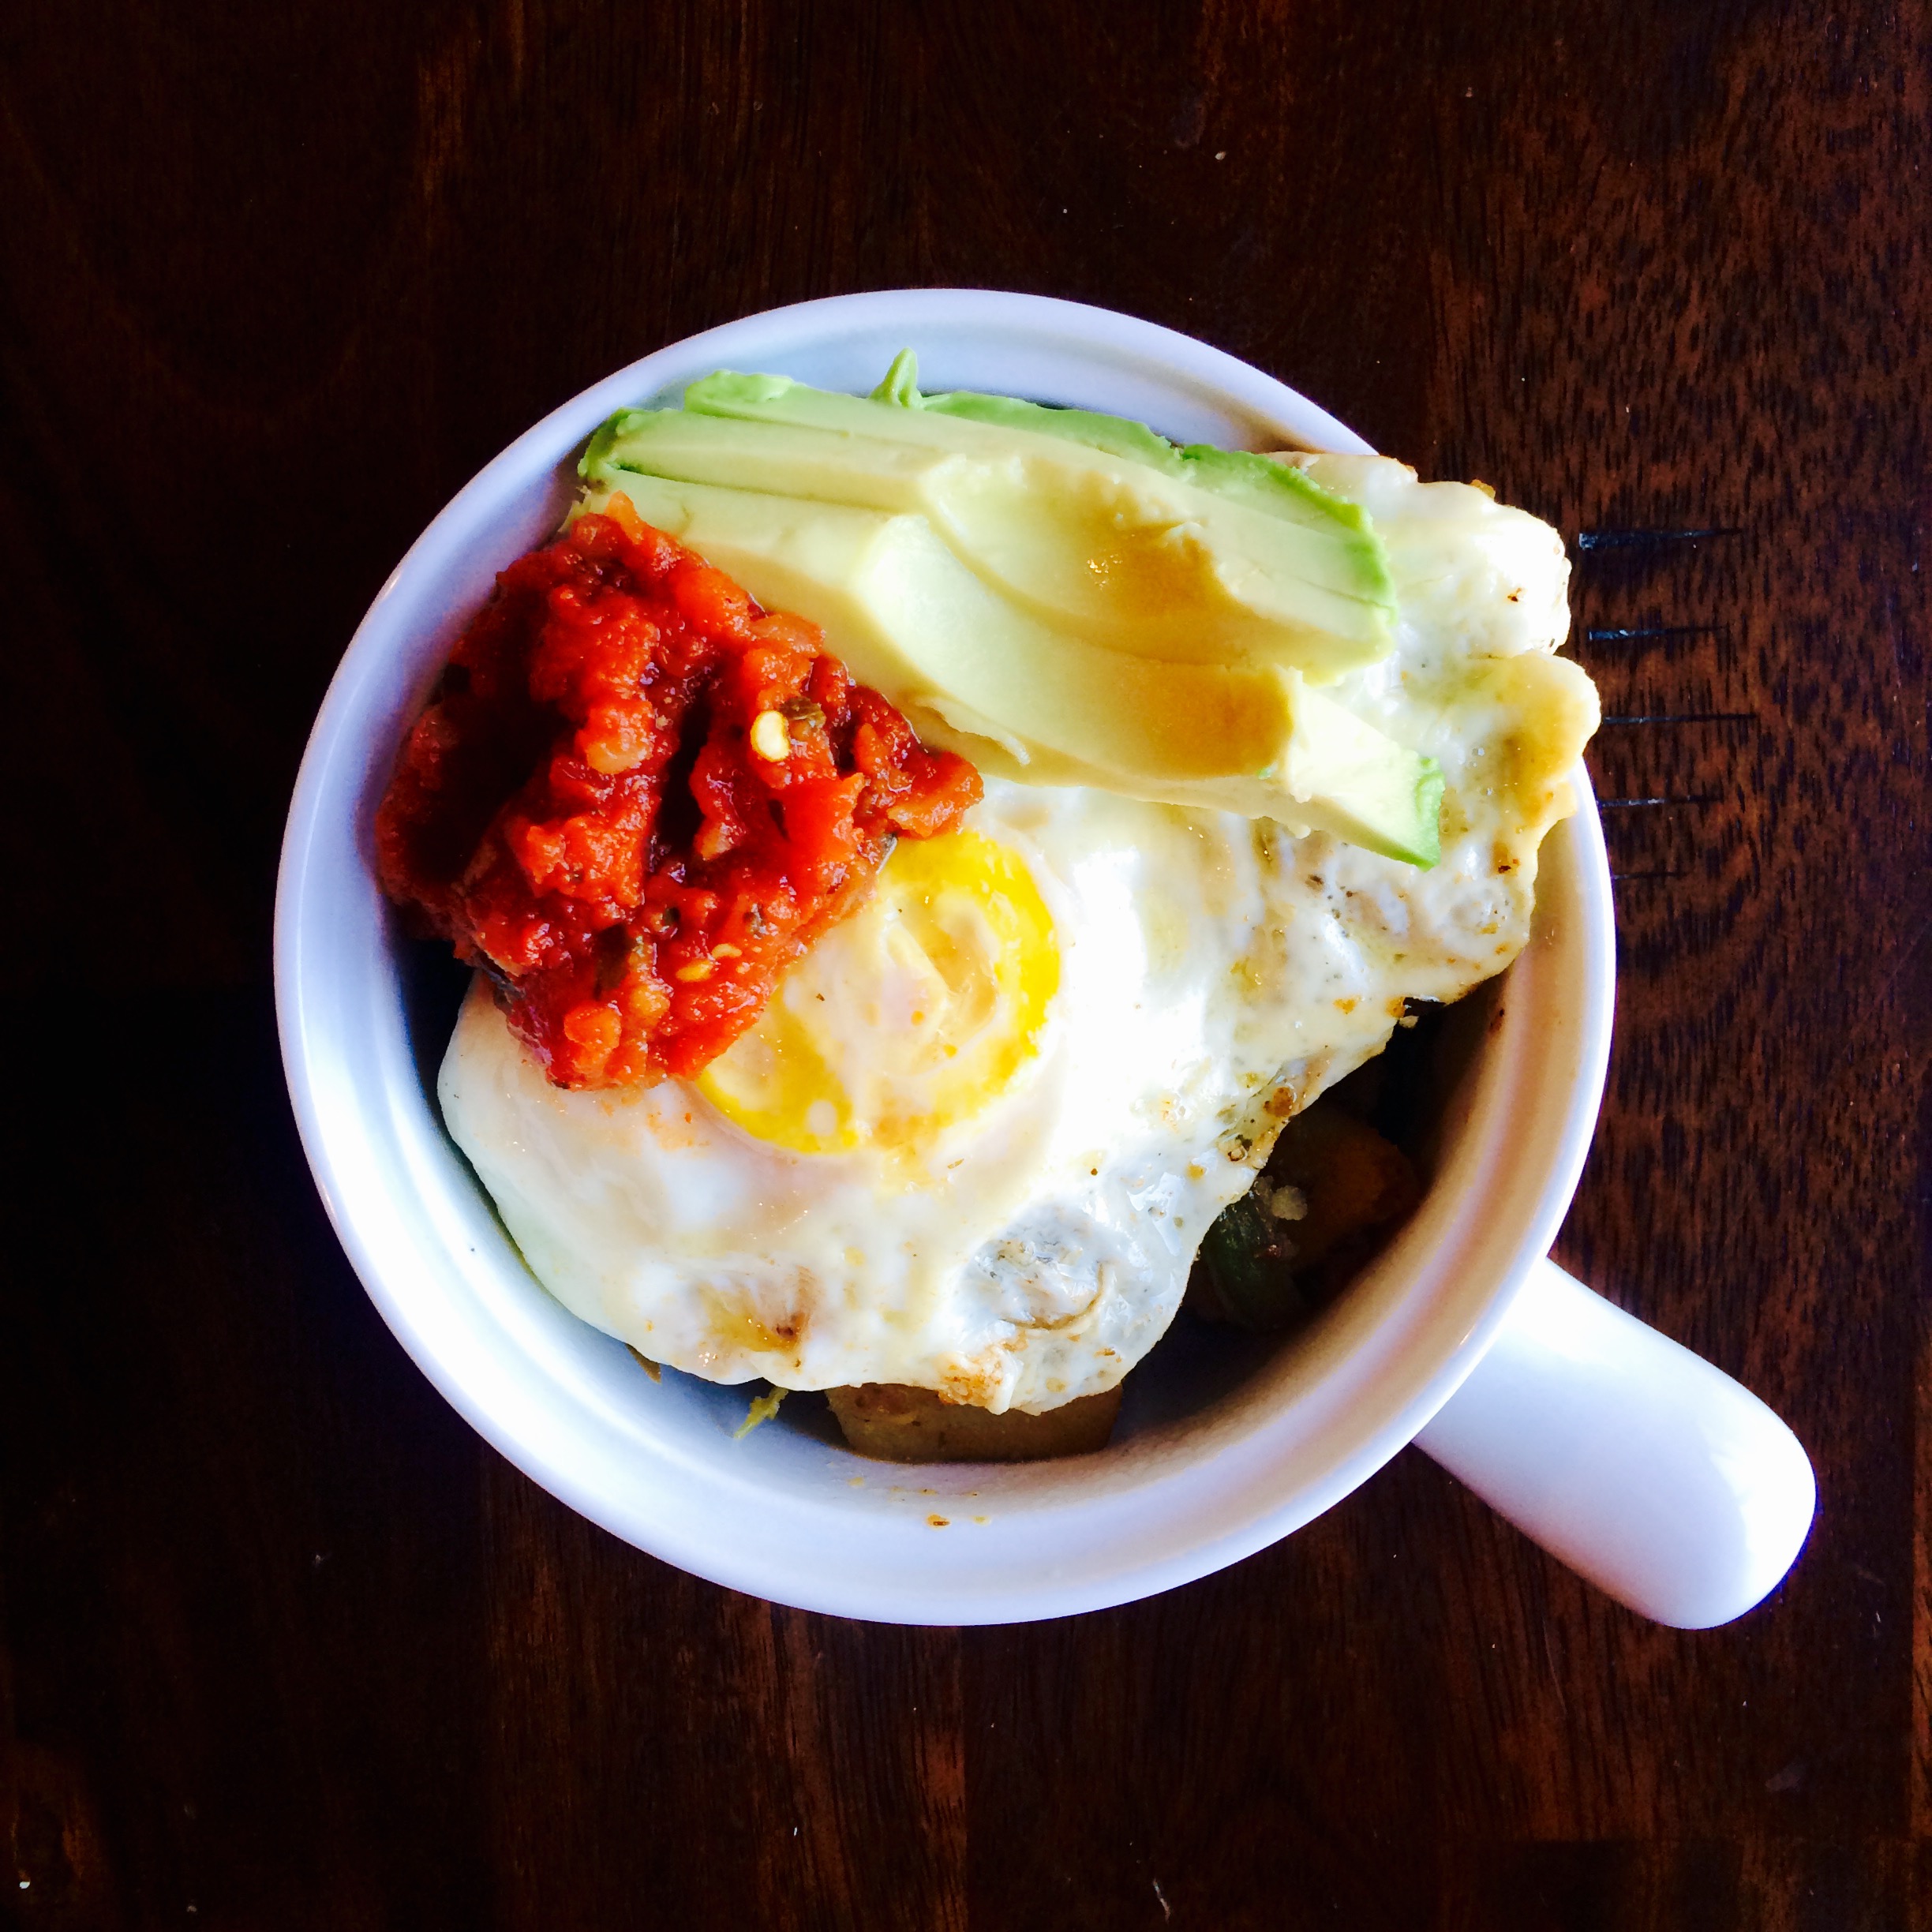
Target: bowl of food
x=941 y=874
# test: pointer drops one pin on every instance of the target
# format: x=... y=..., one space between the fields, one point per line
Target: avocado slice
x=1028 y=700
x=1119 y=552
x=820 y=466
x=1263 y=482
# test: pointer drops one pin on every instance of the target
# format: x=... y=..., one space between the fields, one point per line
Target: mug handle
x=1668 y=1485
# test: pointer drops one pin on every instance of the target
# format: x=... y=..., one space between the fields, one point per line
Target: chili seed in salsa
x=636 y=798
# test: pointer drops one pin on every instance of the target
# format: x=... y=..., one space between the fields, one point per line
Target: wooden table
x=285 y=1645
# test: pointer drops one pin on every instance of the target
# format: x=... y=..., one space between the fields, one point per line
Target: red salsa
x=636 y=798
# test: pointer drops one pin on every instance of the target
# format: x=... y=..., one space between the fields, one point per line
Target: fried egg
x=975 y=1140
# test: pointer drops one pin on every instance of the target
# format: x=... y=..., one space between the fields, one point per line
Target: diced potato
x=895 y=1423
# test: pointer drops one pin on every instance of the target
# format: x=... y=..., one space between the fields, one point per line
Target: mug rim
x=406 y=1233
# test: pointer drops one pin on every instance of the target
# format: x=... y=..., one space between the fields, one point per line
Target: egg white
x=1216 y=973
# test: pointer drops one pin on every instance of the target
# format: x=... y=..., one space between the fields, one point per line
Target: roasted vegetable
x=1331 y=1191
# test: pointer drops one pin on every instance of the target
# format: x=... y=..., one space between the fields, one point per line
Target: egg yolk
x=906 y=1018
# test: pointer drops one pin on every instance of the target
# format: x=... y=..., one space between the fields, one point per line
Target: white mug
x=1644 y=1468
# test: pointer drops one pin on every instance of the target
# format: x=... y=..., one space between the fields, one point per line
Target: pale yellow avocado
x=1115 y=552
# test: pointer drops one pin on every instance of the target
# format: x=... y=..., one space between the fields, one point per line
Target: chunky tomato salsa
x=636 y=798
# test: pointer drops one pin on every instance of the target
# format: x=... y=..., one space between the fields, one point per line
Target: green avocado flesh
x=1066 y=597
x=1261 y=482
x=1096 y=519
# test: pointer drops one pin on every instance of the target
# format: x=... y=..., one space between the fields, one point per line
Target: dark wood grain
x=283 y=1645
